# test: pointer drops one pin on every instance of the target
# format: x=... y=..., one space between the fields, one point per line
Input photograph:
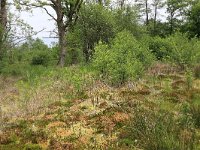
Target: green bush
x=95 y=23
x=42 y=58
x=159 y=47
x=16 y=69
x=125 y=59
x=161 y=131
x=185 y=52
x=127 y=19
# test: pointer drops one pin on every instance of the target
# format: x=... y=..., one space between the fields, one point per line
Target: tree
x=124 y=59
x=127 y=19
x=194 y=20
x=145 y=8
x=157 y=4
x=3 y=14
x=184 y=52
x=3 y=22
x=176 y=10
x=39 y=45
x=100 y=2
x=95 y=23
x=13 y=31
x=66 y=15
x=121 y=3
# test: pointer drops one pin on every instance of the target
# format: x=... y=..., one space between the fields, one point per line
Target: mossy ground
x=98 y=116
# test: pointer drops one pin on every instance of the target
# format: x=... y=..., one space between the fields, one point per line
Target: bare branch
x=49 y=14
x=51 y=37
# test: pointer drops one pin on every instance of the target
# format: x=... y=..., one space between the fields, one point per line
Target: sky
x=39 y=20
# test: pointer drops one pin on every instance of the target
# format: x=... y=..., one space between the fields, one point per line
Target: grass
x=12 y=146
x=73 y=108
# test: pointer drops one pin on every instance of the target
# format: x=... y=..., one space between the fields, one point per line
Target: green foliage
x=177 y=49
x=32 y=147
x=194 y=21
x=167 y=86
x=121 y=49
x=12 y=146
x=39 y=45
x=3 y=48
x=123 y=60
x=189 y=79
x=15 y=69
x=158 y=28
x=74 y=50
x=41 y=58
x=151 y=130
x=35 y=52
x=127 y=19
x=159 y=47
x=184 y=52
x=197 y=71
x=40 y=54
x=77 y=77
x=195 y=110
x=95 y=23
x=175 y=9
x=28 y=56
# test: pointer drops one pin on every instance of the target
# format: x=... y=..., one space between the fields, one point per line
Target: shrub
x=16 y=69
x=125 y=59
x=74 y=56
x=75 y=53
x=185 y=52
x=162 y=131
x=41 y=58
x=189 y=78
x=159 y=47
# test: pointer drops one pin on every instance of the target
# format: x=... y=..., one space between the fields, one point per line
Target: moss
x=126 y=142
x=42 y=123
x=9 y=138
x=22 y=124
x=32 y=147
x=56 y=104
x=11 y=147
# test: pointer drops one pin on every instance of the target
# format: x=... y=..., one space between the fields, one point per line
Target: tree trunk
x=3 y=14
x=155 y=18
x=147 y=13
x=86 y=51
x=122 y=2
x=66 y=16
x=61 y=33
x=171 y=22
x=62 y=45
x=3 y=22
